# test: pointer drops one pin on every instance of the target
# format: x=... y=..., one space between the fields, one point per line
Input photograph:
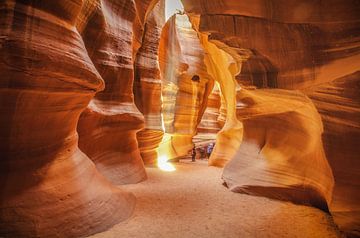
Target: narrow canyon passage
x=102 y=102
x=192 y=202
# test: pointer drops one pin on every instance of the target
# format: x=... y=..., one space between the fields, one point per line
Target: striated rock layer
x=147 y=85
x=108 y=126
x=294 y=44
x=339 y=105
x=49 y=188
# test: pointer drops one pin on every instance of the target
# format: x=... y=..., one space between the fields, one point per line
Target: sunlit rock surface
x=108 y=127
x=147 y=85
x=185 y=84
x=49 y=188
x=281 y=155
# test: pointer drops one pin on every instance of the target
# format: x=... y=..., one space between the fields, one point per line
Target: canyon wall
x=147 y=85
x=339 y=105
x=304 y=43
x=307 y=45
x=112 y=32
x=48 y=186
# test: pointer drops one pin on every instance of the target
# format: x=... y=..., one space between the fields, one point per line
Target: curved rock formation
x=147 y=85
x=281 y=155
x=277 y=157
x=108 y=127
x=49 y=188
x=186 y=85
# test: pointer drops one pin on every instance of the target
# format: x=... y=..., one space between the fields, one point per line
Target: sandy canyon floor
x=192 y=202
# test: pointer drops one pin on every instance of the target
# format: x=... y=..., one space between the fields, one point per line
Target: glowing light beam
x=164 y=165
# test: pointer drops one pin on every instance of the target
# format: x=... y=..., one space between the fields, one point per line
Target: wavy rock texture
x=276 y=157
x=49 y=188
x=281 y=155
x=108 y=127
x=339 y=105
x=296 y=45
x=184 y=100
x=147 y=85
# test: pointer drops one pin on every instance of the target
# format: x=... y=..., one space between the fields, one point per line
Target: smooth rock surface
x=281 y=155
x=108 y=127
x=147 y=85
x=49 y=188
x=338 y=102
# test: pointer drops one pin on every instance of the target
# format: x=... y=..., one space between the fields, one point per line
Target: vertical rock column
x=108 y=126
x=147 y=85
x=186 y=84
x=48 y=187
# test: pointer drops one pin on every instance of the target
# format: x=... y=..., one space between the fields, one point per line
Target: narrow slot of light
x=172 y=7
x=164 y=165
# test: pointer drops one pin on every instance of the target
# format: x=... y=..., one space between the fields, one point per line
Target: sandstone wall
x=339 y=105
x=147 y=85
x=107 y=128
x=48 y=186
x=303 y=43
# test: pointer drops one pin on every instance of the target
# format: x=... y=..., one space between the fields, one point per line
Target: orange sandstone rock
x=49 y=188
x=108 y=127
x=281 y=154
x=301 y=42
x=338 y=102
x=185 y=84
x=297 y=45
x=147 y=85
